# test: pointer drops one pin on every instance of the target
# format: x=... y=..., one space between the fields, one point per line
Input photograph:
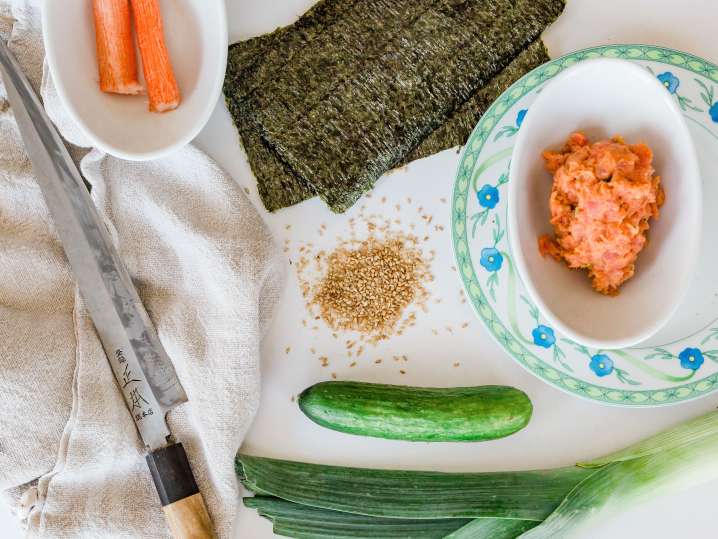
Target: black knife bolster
x=171 y=473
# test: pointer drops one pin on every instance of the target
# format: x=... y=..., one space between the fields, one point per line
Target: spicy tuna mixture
x=603 y=196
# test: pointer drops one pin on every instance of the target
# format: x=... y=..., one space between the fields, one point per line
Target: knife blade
x=143 y=371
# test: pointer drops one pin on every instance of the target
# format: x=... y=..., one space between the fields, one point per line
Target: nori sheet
x=257 y=59
x=352 y=89
x=310 y=45
x=458 y=126
x=278 y=185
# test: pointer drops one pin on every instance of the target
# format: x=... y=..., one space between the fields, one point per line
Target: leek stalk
x=304 y=522
x=529 y=495
x=492 y=528
x=672 y=461
x=502 y=505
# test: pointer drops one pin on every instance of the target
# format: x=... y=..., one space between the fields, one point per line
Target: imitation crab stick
x=162 y=88
x=115 y=50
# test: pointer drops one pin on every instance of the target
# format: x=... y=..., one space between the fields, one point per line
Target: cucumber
x=417 y=413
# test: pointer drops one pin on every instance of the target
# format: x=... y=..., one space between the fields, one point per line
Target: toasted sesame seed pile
x=367 y=285
x=367 y=288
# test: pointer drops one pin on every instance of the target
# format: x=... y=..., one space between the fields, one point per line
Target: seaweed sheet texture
x=356 y=87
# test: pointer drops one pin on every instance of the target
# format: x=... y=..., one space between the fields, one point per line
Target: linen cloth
x=71 y=461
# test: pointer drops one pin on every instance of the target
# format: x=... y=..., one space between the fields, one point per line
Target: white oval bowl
x=196 y=36
x=602 y=98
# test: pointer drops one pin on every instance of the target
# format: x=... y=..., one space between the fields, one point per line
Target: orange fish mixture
x=602 y=198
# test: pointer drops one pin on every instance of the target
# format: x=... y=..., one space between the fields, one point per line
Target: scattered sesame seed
x=292 y=398
x=402 y=371
x=287 y=227
x=456 y=364
x=443 y=200
x=287 y=349
x=334 y=375
x=464 y=325
x=377 y=361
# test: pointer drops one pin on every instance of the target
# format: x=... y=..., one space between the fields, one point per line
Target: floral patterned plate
x=678 y=364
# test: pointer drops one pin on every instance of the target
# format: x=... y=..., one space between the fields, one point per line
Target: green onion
x=301 y=521
x=529 y=495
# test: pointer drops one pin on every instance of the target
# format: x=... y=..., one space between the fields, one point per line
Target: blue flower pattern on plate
x=691 y=358
x=713 y=111
x=488 y=196
x=520 y=117
x=670 y=81
x=601 y=364
x=543 y=336
x=491 y=259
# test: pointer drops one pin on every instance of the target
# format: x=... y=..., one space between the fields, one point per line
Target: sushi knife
x=142 y=368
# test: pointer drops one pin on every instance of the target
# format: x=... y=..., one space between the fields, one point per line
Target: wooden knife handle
x=182 y=502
